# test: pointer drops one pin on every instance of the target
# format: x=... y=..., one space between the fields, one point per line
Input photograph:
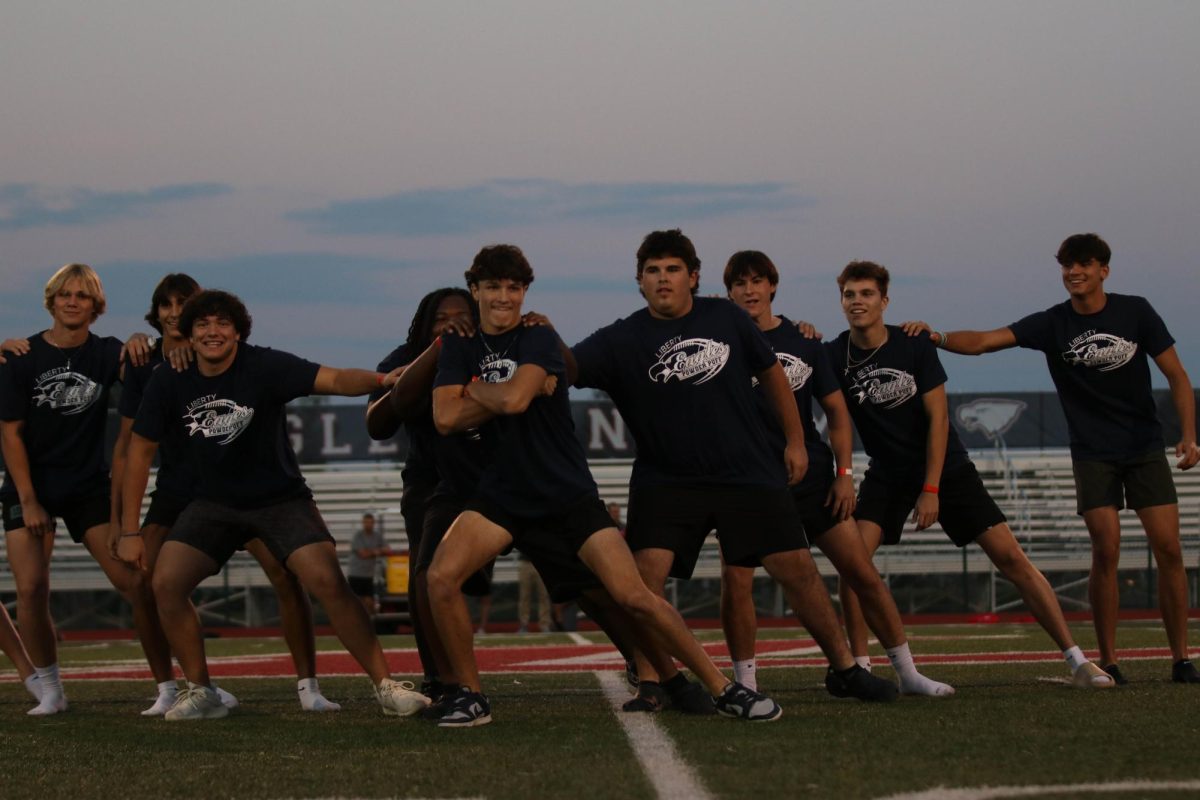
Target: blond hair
x=91 y=284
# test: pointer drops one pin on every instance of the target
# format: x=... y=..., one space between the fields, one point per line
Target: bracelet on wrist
x=129 y=535
x=845 y=472
x=929 y=488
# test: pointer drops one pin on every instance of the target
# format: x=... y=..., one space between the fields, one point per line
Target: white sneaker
x=227 y=700
x=162 y=704
x=398 y=698
x=197 y=702
x=315 y=701
x=52 y=703
x=1089 y=676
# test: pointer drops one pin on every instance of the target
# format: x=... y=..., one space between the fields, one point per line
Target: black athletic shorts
x=165 y=508
x=965 y=509
x=552 y=542
x=220 y=531
x=362 y=587
x=79 y=514
x=440 y=513
x=815 y=516
x=752 y=522
x=1134 y=483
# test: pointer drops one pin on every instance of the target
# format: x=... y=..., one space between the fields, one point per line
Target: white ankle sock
x=168 y=691
x=744 y=673
x=311 y=698
x=53 y=699
x=1074 y=657
x=911 y=681
x=864 y=662
x=34 y=686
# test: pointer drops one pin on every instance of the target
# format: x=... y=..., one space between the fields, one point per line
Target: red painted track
x=552 y=659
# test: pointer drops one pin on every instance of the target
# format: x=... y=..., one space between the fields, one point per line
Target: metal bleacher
x=1034 y=488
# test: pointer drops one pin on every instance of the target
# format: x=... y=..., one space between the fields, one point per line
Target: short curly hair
x=215 y=303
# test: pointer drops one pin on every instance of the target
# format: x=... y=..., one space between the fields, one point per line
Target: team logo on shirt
x=217 y=418
x=71 y=392
x=1102 y=351
x=796 y=370
x=689 y=360
x=497 y=370
x=883 y=386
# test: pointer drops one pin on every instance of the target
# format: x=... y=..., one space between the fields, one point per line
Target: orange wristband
x=379 y=376
x=846 y=471
x=929 y=487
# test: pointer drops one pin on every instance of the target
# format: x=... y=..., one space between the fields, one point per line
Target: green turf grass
x=556 y=736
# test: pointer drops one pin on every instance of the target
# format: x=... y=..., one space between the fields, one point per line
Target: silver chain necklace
x=853 y=364
x=494 y=355
x=68 y=356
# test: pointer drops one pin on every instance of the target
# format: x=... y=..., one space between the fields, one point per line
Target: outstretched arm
x=965 y=343
x=409 y=395
x=1185 y=406
x=783 y=402
x=352 y=382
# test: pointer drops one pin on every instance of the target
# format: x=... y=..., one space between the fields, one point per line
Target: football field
x=1016 y=728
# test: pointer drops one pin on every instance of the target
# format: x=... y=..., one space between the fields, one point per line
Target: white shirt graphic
x=71 y=392
x=694 y=361
x=217 y=418
x=883 y=386
x=1102 y=351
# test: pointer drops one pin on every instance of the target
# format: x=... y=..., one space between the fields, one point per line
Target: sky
x=333 y=162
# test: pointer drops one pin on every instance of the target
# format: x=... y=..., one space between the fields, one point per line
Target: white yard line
x=578 y=638
x=1073 y=789
x=669 y=774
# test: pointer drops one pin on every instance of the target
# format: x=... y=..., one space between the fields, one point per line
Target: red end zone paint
x=554 y=659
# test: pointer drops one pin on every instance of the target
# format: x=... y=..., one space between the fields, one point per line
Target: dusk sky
x=332 y=162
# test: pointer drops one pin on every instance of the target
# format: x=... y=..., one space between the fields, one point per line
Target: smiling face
x=752 y=292
x=667 y=286
x=74 y=307
x=499 y=302
x=863 y=304
x=215 y=339
x=1084 y=280
x=168 y=316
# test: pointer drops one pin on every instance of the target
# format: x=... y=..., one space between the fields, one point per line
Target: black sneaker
x=859 y=683
x=434 y=688
x=466 y=709
x=651 y=698
x=741 y=703
x=1114 y=672
x=692 y=698
x=1184 y=672
x=441 y=703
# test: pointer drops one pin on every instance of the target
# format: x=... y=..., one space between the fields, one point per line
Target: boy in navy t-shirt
x=53 y=404
x=895 y=388
x=679 y=371
x=173 y=491
x=824 y=498
x=536 y=494
x=1098 y=346
x=227 y=414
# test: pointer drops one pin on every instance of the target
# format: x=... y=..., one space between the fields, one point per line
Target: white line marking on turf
x=668 y=774
x=1074 y=789
x=578 y=638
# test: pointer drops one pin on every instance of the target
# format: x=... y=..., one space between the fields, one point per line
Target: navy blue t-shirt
x=883 y=391
x=62 y=395
x=806 y=364
x=174 y=473
x=233 y=425
x=683 y=388
x=1099 y=364
x=538 y=466
x=420 y=468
